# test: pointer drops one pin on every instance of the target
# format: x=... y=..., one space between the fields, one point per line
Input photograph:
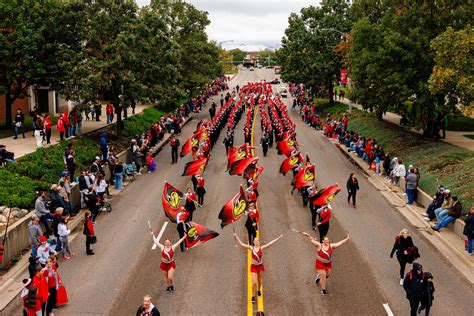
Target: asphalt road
x=212 y=278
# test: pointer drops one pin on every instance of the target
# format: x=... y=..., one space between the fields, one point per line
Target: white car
x=251 y=69
x=283 y=92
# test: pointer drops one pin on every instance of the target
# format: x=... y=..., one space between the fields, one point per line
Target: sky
x=251 y=25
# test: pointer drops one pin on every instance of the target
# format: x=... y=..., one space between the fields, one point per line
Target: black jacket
x=401 y=244
x=154 y=311
x=414 y=284
x=352 y=186
x=469 y=228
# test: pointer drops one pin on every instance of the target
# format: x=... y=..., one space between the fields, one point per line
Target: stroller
x=129 y=171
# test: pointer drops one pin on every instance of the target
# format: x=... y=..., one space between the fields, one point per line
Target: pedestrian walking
x=324 y=259
x=414 y=285
x=48 y=125
x=251 y=223
x=323 y=224
x=402 y=246
x=88 y=231
x=147 y=308
x=109 y=111
x=174 y=143
x=167 y=264
x=428 y=295
x=19 y=123
x=200 y=191
x=352 y=188
x=257 y=267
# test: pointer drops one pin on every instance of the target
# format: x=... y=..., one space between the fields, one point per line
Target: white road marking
x=387 y=309
x=157 y=239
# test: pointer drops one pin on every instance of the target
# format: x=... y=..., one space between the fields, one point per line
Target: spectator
x=118 y=174
x=71 y=165
x=97 y=111
x=67 y=125
x=454 y=212
x=428 y=297
x=411 y=185
x=85 y=182
x=103 y=147
x=96 y=167
x=43 y=213
x=64 y=233
x=88 y=231
x=469 y=231
x=63 y=186
x=32 y=303
x=56 y=198
x=48 y=125
x=57 y=217
x=34 y=234
x=39 y=126
x=52 y=279
x=398 y=171
x=19 y=123
x=437 y=201
x=109 y=111
x=443 y=210
x=44 y=251
x=147 y=309
x=6 y=157
x=61 y=126
x=174 y=143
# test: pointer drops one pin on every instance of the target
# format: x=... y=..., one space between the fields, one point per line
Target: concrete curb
x=12 y=285
x=424 y=225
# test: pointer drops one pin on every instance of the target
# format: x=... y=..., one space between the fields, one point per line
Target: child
x=150 y=163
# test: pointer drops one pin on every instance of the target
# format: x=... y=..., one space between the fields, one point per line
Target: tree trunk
x=330 y=91
x=8 y=108
x=125 y=112
x=118 y=125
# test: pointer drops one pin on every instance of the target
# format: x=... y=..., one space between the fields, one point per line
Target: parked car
x=251 y=69
x=283 y=92
x=275 y=81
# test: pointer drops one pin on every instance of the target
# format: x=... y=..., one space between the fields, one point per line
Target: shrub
x=18 y=191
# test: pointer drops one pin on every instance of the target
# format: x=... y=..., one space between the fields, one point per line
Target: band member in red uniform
x=181 y=219
x=167 y=264
x=200 y=191
x=323 y=225
x=253 y=183
x=189 y=199
x=252 y=196
x=257 y=266
x=252 y=222
x=324 y=259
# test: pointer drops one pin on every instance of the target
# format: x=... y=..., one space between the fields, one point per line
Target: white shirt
x=63 y=231
x=44 y=251
x=101 y=187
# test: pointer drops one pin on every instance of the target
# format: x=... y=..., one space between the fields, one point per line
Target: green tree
x=238 y=55
x=307 y=52
x=36 y=37
x=454 y=63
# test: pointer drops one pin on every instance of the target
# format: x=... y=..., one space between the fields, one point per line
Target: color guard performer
x=324 y=259
x=200 y=191
x=181 y=219
x=257 y=266
x=167 y=264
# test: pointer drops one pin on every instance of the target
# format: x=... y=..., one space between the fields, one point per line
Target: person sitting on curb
x=43 y=213
x=454 y=212
x=443 y=210
x=437 y=201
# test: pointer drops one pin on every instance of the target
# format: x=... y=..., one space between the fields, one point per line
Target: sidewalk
x=452 y=137
x=23 y=146
x=449 y=244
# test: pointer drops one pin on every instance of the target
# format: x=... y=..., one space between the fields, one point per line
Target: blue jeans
x=44 y=219
x=445 y=221
x=118 y=181
x=469 y=245
x=79 y=125
x=440 y=213
x=109 y=119
x=411 y=195
x=18 y=129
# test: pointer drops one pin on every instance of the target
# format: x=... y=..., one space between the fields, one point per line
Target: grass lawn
x=438 y=162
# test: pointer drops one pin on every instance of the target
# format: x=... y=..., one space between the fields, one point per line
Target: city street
x=212 y=279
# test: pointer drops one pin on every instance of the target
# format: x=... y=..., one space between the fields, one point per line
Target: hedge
x=18 y=191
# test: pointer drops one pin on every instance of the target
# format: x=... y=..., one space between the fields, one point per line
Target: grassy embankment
x=438 y=162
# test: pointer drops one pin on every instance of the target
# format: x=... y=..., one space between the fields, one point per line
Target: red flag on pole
x=238 y=167
x=191 y=142
x=197 y=235
x=195 y=167
x=252 y=171
x=234 y=208
x=171 y=200
x=290 y=162
x=326 y=195
x=286 y=146
x=305 y=177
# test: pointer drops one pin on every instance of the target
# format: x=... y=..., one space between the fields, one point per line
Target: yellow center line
x=249 y=253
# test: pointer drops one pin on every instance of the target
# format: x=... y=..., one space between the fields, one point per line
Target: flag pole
x=153 y=234
x=233 y=229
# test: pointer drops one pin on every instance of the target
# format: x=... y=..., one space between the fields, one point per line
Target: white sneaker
x=424 y=215
x=401 y=282
x=426 y=219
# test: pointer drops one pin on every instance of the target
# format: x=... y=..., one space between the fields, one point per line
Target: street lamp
x=228 y=41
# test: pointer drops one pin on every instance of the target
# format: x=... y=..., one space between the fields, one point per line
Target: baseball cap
x=26 y=282
x=63 y=173
x=97 y=158
x=43 y=239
